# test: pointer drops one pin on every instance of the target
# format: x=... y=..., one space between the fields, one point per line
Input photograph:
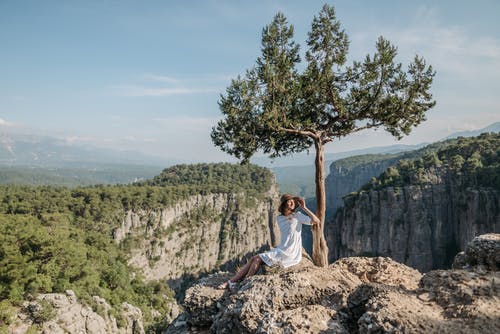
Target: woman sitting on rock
x=289 y=251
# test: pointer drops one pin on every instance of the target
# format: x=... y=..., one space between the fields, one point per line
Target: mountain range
x=47 y=151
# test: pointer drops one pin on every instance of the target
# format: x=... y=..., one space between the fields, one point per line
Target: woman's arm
x=302 y=204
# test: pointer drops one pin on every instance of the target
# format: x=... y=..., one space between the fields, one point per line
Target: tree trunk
x=320 y=249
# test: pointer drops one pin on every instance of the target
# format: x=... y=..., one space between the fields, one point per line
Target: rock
x=303 y=298
x=282 y=302
x=422 y=226
x=482 y=253
x=64 y=313
x=169 y=248
x=353 y=295
x=381 y=270
x=202 y=301
x=464 y=293
x=378 y=308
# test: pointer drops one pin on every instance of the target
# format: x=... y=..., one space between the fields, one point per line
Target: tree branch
x=368 y=126
x=306 y=133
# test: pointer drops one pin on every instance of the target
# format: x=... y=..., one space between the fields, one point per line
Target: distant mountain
x=296 y=174
x=495 y=127
x=302 y=159
x=45 y=151
x=305 y=159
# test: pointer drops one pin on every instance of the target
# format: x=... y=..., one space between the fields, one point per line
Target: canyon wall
x=198 y=234
x=422 y=226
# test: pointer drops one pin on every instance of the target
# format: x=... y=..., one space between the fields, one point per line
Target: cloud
x=450 y=49
x=136 y=139
x=187 y=124
x=161 y=85
x=5 y=123
x=160 y=78
x=141 y=91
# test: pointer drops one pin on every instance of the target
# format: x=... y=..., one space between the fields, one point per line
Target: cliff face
x=343 y=180
x=198 y=234
x=422 y=226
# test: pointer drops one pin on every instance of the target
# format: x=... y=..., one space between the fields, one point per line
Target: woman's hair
x=283 y=205
x=282 y=208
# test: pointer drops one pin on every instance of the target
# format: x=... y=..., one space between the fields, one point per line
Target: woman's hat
x=286 y=197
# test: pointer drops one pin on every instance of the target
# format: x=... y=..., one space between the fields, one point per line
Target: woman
x=289 y=251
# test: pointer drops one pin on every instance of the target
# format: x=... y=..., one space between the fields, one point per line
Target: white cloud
x=5 y=123
x=184 y=123
x=160 y=78
x=154 y=85
x=136 y=139
x=450 y=49
x=161 y=85
x=77 y=139
x=141 y=91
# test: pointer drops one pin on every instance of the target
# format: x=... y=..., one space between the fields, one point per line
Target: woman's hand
x=301 y=202
x=314 y=219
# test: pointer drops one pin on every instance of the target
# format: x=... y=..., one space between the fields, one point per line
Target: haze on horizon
x=147 y=76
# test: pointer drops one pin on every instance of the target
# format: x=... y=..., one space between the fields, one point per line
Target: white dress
x=289 y=251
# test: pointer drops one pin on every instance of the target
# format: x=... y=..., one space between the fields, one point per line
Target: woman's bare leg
x=249 y=269
x=242 y=273
x=254 y=266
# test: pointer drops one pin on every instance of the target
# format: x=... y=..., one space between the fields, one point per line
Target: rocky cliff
x=350 y=174
x=421 y=226
x=198 y=234
x=354 y=295
x=422 y=212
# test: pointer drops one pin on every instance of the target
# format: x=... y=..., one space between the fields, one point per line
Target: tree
x=276 y=109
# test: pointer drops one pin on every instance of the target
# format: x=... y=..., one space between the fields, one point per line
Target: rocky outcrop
x=64 y=313
x=423 y=226
x=198 y=234
x=482 y=253
x=353 y=295
x=343 y=180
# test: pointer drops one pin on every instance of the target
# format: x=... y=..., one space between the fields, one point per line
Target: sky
x=147 y=75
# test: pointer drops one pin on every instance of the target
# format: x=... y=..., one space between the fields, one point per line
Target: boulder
x=353 y=295
x=482 y=253
x=63 y=313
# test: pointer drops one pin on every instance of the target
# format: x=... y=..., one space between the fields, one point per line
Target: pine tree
x=276 y=109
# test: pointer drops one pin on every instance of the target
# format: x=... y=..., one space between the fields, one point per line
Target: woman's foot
x=226 y=285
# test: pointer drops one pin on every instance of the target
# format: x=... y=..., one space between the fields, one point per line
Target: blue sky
x=147 y=75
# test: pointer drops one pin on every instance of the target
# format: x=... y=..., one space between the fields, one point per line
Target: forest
x=54 y=239
x=470 y=162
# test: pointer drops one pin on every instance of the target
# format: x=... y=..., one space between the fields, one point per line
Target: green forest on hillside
x=55 y=238
x=347 y=164
x=470 y=162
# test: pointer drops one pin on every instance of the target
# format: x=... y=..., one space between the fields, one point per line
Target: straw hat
x=286 y=197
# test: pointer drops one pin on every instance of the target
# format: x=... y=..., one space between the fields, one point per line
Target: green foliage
x=54 y=238
x=469 y=162
x=41 y=312
x=40 y=257
x=74 y=177
x=214 y=178
x=279 y=110
x=7 y=313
